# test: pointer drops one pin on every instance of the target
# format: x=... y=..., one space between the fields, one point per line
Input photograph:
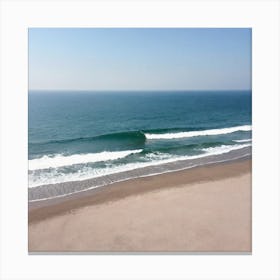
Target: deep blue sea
x=80 y=135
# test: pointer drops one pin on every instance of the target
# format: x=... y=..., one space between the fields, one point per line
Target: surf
x=59 y=160
x=154 y=159
x=242 y=140
x=187 y=134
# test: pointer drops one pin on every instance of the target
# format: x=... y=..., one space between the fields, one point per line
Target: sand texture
x=204 y=209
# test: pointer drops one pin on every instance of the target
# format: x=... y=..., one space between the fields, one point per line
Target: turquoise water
x=81 y=135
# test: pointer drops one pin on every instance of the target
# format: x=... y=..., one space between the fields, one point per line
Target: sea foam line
x=61 y=160
x=133 y=177
x=187 y=134
x=87 y=173
x=242 y=140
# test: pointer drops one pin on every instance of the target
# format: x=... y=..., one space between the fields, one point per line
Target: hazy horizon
x=133 y=90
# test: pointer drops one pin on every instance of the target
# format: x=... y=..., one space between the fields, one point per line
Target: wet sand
x=203 y=209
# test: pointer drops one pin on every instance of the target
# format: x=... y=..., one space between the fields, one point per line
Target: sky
x=139 y=58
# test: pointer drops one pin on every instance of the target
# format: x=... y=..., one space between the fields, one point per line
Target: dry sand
x=204 y=209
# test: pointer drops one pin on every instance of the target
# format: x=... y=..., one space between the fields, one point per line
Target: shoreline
x=70 y=188
x=44 y=209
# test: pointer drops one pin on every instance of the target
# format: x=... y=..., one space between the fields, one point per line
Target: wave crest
x=61 y=160
x=242 y=140
x=208 y=132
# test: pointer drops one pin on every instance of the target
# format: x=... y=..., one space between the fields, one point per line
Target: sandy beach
x=203 y=209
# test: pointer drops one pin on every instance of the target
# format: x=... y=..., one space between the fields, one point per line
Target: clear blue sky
x=139 y=58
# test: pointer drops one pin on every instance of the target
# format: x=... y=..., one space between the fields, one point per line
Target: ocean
x=103 y=137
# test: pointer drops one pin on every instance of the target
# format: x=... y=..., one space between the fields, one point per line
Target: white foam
x=198 y=133
x=84 y=173
x=243 y=140
x=141 y=176
x=224 y=149
x=61 y=160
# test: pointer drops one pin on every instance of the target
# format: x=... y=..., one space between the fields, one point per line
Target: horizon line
x=142 y=90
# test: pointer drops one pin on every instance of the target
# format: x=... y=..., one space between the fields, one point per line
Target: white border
x=262 y=16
